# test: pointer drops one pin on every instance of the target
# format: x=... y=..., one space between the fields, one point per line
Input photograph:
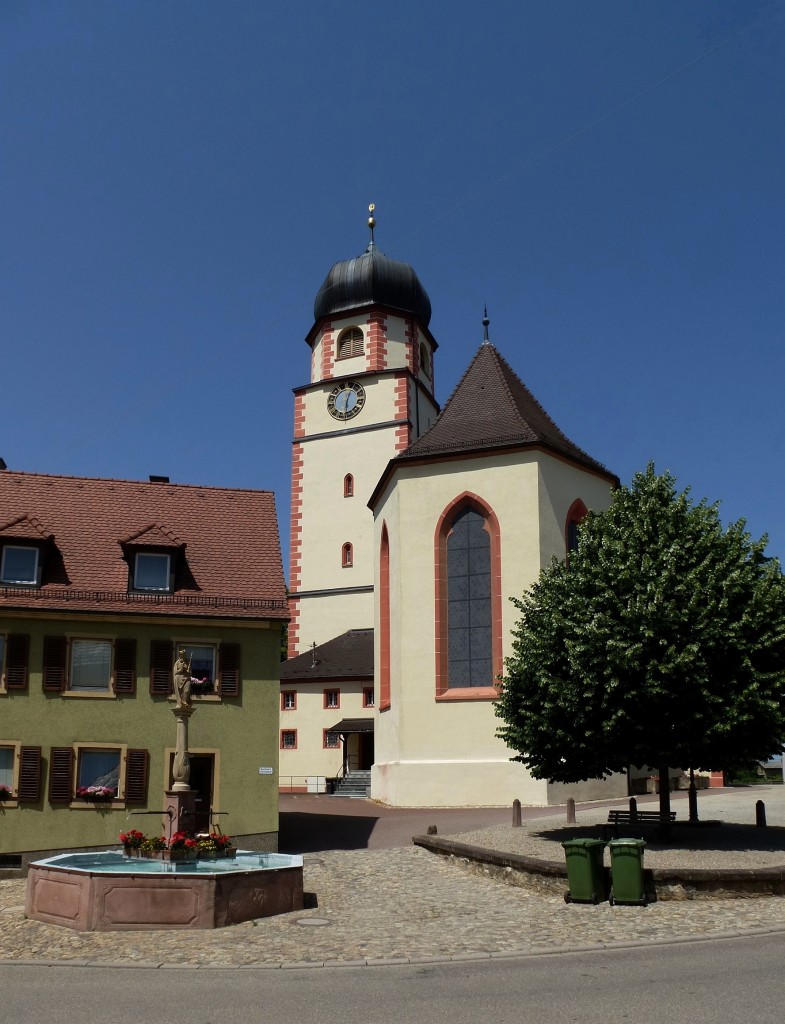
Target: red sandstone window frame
x=348 y=486
x=576 y=513
x=284 y=695
x=326 y=696
x=384 y=620
x=330 y=746
x=347 y=556
x=288 y=746
x=443 y=529
x=368 y=697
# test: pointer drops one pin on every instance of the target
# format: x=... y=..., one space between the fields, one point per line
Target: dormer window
x=20 y=566
x=152 y=571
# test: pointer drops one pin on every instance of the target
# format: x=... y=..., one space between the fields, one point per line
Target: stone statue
x=182 y=680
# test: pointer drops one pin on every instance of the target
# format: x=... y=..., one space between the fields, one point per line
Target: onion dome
x=372 y=279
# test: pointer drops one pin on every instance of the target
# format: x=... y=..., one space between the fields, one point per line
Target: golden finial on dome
x=371 y=219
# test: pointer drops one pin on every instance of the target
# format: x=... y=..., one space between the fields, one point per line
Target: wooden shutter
x=16 y=652
x=161 y=662
x=229 y=670
x=125 y=666
x=61 y=775
x=136 y=777
x=29 y=774
x=55 y=653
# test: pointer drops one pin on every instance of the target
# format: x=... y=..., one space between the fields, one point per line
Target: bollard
x=432 y=830
x=633 y=810
x=760 y=814
x=570 y=811
x=516 y=814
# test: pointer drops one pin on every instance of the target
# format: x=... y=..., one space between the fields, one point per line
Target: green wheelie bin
x=585 y=871
x=627 y=871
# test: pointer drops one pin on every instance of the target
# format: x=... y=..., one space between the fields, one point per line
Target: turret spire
x=485 y=321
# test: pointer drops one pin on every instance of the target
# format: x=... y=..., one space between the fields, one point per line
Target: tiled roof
x=348 y=656
x=25 y=528
x=153 y=535
x=492 y=408
x=231 y=562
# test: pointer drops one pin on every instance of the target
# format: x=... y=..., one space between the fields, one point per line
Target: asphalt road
x=719 y=982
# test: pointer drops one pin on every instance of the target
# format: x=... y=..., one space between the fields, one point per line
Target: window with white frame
x=152 y=571
x=368 y=698
x=332 y=699
x=202 y=661
x=289 y=700
x=19 y=565
x=91 y=666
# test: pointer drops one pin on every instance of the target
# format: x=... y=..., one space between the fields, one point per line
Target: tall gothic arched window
x=384 y=621
x=577 y=512
x=468 y=600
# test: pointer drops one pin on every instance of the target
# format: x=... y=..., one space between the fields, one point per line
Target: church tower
x=371 y=394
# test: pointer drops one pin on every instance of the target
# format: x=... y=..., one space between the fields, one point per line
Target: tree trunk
x=665 y=803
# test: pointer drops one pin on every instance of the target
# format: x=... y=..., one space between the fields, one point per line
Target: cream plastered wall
x=310 y=718
x=330 y=520
x=442 y=753
x=379 y=405
x=395 y=346
x=560 y=484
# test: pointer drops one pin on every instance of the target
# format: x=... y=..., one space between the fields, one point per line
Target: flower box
x=132 y=851
x=175 y=856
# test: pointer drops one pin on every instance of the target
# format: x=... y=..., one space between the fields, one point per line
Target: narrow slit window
x=347 y=556
x=348 y=486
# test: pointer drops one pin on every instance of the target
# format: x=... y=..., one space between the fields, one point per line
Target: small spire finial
x=371 y=219
x=485 y=321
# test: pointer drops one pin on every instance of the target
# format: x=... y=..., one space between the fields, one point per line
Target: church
x=411 y=527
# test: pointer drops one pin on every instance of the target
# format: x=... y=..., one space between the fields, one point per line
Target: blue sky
x=177 y=178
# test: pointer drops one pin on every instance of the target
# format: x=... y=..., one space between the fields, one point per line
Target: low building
x=101 y=583
x=327 y=707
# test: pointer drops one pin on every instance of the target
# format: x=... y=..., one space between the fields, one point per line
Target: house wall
x=305 y=768
x=441 y=750
x=242 y=730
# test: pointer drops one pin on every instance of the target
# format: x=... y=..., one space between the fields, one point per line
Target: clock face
x=346 y=400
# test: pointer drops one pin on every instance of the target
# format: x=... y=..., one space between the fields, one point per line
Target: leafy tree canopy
x=661 y=642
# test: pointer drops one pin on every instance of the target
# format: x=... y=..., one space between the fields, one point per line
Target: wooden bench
x=643 y=818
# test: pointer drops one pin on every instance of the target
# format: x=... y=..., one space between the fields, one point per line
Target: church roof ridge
x=491 y=407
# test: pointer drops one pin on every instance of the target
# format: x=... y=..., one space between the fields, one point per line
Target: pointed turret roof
x=491 y=409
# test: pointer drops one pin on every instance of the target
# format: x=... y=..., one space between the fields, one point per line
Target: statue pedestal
x=182 y=805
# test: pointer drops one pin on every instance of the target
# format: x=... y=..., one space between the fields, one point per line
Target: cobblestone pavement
x=380 y=905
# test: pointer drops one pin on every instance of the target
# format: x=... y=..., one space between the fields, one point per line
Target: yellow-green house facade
x=101 y=583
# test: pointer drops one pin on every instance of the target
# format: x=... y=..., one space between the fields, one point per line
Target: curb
x=667 y=883
x=413 y=961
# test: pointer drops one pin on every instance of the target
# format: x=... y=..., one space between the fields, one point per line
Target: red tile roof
x=231 y=557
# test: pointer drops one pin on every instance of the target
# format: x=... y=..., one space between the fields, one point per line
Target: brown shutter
x=55 y=649
x=61 y=775
x=229 y=670
x=125 y=666
x=161 y=662
x=29 y=774
x=136 y=777
x=16 y=651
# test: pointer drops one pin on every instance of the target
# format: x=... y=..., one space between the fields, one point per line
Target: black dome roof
x=372 y=279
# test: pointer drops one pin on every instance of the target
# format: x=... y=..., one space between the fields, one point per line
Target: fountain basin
x=106 y=891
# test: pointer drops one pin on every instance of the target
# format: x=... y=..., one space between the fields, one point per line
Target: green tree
x=660 y=642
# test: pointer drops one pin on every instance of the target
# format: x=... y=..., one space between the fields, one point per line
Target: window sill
x=85 y=694
x=459 y=693
x=200 y=698
x=92 y=805
x=14 y=802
